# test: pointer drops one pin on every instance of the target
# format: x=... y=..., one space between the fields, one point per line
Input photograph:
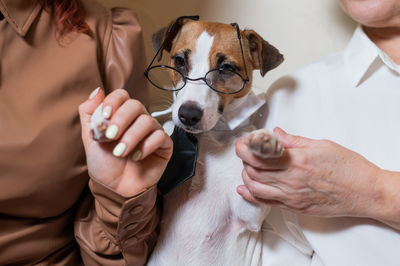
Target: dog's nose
x=189 y=113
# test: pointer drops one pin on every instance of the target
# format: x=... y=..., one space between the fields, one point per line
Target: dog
x=204 y=220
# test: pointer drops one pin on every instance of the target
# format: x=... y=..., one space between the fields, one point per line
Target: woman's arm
x=322 y=178
x=117 y=225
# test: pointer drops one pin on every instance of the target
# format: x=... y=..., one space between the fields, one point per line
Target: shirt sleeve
x=109 y=228
x=124 y=55
x=113 y=230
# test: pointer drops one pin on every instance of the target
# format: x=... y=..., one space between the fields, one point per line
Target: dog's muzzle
x=190 y=114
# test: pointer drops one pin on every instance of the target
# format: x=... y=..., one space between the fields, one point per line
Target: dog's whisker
x=160 y=113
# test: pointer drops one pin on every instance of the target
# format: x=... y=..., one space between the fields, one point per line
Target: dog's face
x=199 y=47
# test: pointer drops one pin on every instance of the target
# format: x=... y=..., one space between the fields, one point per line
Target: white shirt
x=352 y=98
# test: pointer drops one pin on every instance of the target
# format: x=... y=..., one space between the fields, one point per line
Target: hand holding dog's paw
x=264 y=144
x=312 y=177
x=126 y=149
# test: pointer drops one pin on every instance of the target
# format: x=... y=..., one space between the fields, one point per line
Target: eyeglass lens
x=222 y=80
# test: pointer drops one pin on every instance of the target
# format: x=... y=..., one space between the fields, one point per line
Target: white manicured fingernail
x=119 y=149
x=94 y=93
x=107 y=111
x=111 y=131
x=136 y=156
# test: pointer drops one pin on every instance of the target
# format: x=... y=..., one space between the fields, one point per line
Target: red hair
x=68 y=15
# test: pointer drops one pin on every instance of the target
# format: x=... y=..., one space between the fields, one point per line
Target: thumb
x=87 y=108
x=291 y=141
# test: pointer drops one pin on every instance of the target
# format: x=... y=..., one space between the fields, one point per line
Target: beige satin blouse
x=47 y=211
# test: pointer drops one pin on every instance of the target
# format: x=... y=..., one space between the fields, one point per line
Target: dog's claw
x=264 y=144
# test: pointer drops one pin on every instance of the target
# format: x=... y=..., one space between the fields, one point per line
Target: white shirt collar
x=239 y=111
x=388 y=61
x=362 y=56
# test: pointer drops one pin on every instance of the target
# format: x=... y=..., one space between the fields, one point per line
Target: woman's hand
x=316 y=177
x=139 y=151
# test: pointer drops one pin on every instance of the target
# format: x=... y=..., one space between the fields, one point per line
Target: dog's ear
x=166 y=35
x=264 y=56
x=158 y=37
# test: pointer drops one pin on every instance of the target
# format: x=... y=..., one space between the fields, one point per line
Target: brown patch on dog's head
x=166 y=35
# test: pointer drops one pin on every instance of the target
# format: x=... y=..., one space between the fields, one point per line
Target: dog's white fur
x=204 y=221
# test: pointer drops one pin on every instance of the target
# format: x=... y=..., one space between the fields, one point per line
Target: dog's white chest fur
x=205 y=222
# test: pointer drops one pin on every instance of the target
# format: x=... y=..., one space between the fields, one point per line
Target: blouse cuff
x=124 y=218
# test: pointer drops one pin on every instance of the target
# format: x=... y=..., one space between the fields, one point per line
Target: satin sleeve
x=113 y=230
x=109 y=228
x=124 y=56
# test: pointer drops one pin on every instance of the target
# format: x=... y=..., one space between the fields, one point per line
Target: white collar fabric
x=239 y=111
x=362 y=57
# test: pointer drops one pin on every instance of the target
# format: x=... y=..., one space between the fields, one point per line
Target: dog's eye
x=227 y=69
x=179 y=61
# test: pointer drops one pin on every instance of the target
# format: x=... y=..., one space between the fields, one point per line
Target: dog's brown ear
x=166 y=35
x=264 y=56
x=158 y=37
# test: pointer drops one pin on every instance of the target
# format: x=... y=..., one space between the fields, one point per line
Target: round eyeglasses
x=223 y=79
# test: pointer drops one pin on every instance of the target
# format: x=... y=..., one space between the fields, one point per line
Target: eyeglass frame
x=185 y=79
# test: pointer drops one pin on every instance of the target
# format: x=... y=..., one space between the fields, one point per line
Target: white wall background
x=303 y=30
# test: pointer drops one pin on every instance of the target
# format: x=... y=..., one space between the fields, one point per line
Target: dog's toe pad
x=264 y=144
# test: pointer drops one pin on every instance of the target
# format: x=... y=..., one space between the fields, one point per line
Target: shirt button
x=130 y=226
x=136 y=210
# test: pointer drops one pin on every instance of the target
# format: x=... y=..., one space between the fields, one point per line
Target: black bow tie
x=182 y=164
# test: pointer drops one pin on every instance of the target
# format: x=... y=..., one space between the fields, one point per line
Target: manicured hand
x=316 y=177
x=138 y=151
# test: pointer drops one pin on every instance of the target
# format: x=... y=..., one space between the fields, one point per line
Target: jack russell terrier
x=204 y=221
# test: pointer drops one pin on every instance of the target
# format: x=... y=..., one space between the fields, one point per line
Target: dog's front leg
x=250 y=215
x=265 y=145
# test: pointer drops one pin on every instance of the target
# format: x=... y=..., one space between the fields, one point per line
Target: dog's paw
x=98 y=125
x=264 y=144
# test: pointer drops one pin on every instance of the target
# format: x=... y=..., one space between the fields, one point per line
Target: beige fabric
x=43 y=175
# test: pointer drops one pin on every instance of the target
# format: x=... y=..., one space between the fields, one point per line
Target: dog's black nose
x=189 y=113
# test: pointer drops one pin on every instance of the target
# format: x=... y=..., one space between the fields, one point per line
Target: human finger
x=245 y=193
x=113 y=101
x=264 y=176
x=157 y=140
x=123 y=117
x=260 y=190
x=142 y=127
x=291 y=141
